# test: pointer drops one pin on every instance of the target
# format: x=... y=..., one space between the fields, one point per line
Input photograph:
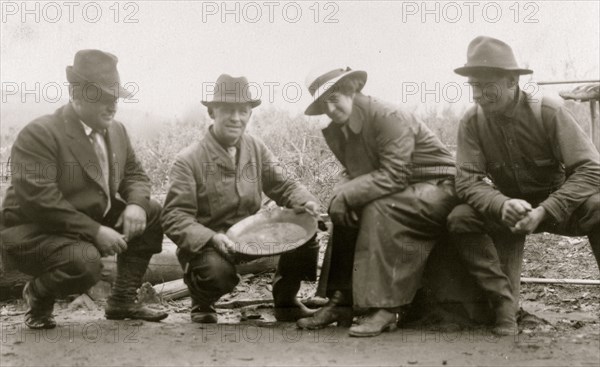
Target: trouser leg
x=481 y=252
x=510 y=252
x=209 y=276
x=131 y=268
x=133 y=263
x=343 y=244
x=60 y=266
x=293 y=267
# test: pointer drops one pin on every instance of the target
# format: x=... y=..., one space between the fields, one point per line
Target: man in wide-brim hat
x=215 y=183
x=388 y=208
x=89 y=199
x=545 y=170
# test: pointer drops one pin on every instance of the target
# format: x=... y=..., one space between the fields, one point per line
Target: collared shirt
x=232 y=150
x=549 y=161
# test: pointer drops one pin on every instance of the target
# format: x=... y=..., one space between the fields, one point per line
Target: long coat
x=209 y=193
x=56 y=182
x=398 y=176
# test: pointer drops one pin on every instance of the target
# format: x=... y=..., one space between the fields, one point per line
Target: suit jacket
x=56 y=182
x=208 y=193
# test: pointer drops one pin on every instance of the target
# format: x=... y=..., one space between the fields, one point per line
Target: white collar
x=88 y=130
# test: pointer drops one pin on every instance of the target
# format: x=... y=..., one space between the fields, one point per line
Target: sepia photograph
x=299 y=183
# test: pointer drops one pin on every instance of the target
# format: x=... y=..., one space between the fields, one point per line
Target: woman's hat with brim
x=486 y=53
x=96 y=73
x=231 y=90
x=319 y=84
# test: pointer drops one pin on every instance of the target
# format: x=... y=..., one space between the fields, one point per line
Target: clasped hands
x=520 y=217
x=133 y=223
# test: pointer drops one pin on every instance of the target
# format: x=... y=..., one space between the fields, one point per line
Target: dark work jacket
x=208 y=193
x=544 y=158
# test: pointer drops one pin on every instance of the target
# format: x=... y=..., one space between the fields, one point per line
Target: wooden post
x=595 y=130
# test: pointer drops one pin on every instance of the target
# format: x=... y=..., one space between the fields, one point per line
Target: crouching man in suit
x=78 y=193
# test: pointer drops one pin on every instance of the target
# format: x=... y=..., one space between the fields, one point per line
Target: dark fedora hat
x=486 y=53
x=232 y=90
x=319 y=83
x=95 y=68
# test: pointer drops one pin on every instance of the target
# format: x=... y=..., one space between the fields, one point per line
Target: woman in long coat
x=389 y=207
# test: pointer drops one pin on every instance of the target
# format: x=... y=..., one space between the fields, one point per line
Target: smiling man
x=78 y=193
x=215 y=183
x=525 y=164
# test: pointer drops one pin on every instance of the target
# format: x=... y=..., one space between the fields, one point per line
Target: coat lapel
x=334 y=137
x=80 y=146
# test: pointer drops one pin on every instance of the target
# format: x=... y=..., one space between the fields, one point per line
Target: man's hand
x=223 y=244
x=109 y=242
x=310 y=207
x=530 y=223
x=513 y=210
x=341 y=214
x=133 y=221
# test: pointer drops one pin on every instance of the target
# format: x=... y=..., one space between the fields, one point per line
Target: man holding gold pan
x=215 y=183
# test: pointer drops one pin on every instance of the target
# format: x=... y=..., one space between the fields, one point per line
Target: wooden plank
x=560 y=281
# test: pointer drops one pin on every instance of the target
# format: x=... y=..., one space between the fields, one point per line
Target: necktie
x=99 y=145
x=232 y=153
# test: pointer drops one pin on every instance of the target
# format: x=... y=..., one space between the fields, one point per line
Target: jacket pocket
x=548 y=162
x=546 y=174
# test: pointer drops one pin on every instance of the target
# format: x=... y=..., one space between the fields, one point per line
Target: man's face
x=338 y=106
x=493 y=92
x=230 y=121
x=97 y=113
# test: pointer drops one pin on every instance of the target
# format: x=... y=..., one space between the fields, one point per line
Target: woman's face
x=338 y=106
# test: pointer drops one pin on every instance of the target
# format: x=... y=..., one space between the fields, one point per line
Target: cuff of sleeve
x=496 y=205
x=91 y=230
x=552 y=207
x=140 y=201
x=202 y=240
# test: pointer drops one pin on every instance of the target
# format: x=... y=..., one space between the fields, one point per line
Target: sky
x=171 y=51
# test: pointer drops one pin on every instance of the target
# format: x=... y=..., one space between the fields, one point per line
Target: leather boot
x=336 y=310
x=506 y=321
x=376 y=322
x=122 y=303
x=202 y=313
x=40 y=305
x=287 y=306
x=479 y=254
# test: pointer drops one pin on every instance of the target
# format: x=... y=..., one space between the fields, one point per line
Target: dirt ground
x=560 y=327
